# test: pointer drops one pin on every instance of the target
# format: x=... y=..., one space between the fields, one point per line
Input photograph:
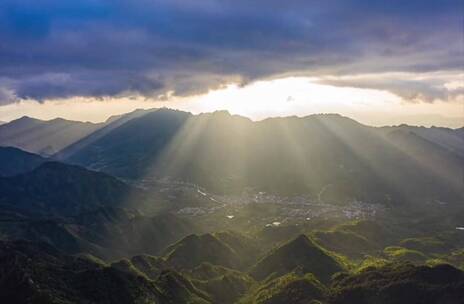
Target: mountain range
x=163 y=206
x=328 y=156
x=14 y=161
x=44 y=137
x=320 y=153
x=57 y=189
x=38 y=273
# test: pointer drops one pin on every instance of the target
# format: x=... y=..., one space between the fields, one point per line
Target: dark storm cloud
x=56 y=49
x=427 y=87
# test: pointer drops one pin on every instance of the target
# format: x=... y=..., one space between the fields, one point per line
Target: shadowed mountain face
x=107 y=233
x=397 y=284
x=300 y=253
x=14 y=161
x=44 y=137
x=130 y=149
x=448 y=139
x=330 y=157
x=194 y=250
x=57 y=189
x=39 y=274
x=111 y=124
x=290 y=288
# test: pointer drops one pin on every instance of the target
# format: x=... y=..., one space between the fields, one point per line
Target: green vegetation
x=126 y=266
x=371 y=262
x=346 y=242
x=424 y=244
x=457 y=258
x=37 y=273
x=406 y=255
x=232 y=215
x=367 y=230
x=300 y=253
x=193 y=250
x=175 y=288
x=224 y=285
x=55 y=189
x=229 y=267
x=399 y=283
x=151 y=266
x=290 y=288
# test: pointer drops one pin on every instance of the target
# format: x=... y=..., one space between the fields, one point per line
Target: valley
x=231 y=152
x=112 y=220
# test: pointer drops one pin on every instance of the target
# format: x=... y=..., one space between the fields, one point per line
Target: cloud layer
x=95 y=48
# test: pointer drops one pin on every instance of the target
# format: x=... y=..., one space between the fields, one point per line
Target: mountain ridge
x=44 y=137
x=61 y=189
x=15 y=161
x=293 y=155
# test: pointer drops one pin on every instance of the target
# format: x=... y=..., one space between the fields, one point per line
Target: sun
x=290 y=96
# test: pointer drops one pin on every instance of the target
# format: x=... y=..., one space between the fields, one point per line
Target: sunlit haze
x=232 y=151
x=299 y=96
x=378 y=62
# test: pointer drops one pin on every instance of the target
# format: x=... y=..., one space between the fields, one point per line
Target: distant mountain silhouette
x=459 y=132
x=329 y=156
x=44 y=137
x=14 y=161
x=110 y=124
x=449 y=139
x=128 y=149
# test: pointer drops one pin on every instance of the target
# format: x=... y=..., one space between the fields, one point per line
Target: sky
x=380 y=62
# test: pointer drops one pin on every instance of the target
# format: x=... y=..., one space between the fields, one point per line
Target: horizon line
x=405 y=124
